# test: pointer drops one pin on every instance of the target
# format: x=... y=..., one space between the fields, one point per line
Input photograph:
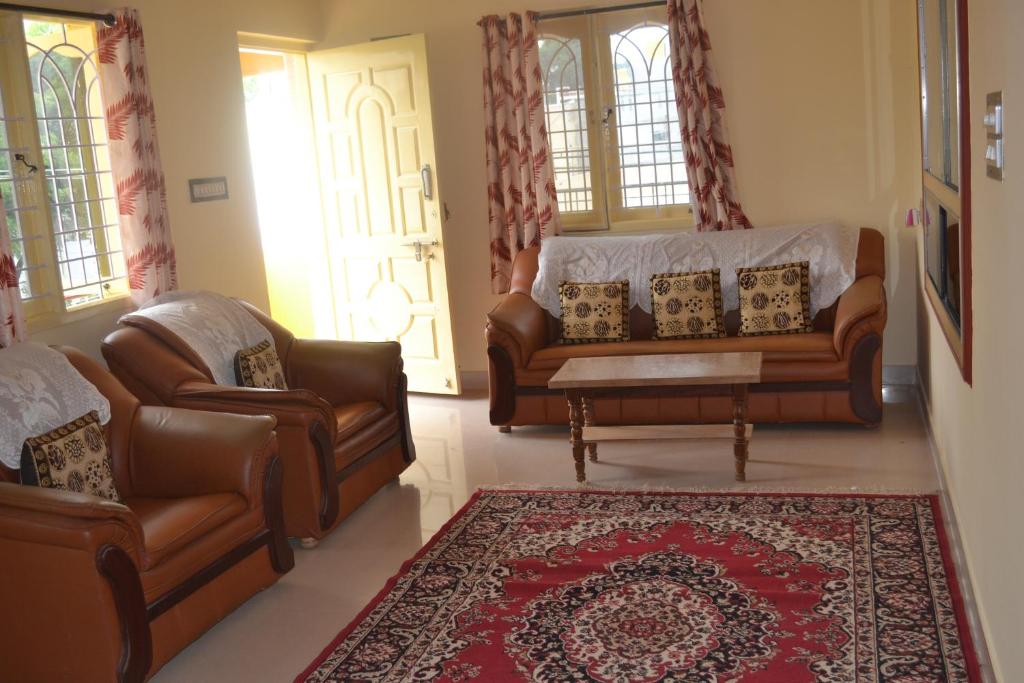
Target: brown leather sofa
x=98 y=591
x=343 y=423
x=833 y=374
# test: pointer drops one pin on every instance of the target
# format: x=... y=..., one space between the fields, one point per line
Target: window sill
x=49 y=321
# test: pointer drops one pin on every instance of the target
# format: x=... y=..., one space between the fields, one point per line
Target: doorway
x=349 y=198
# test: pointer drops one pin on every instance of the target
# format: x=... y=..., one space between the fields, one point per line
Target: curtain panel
x=135 y=158
x=12 y=318
x=521 y=199
x=709 y=160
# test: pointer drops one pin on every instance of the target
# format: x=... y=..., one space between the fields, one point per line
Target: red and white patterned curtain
x=709 y=162
x=522 y=204
x=12 y=319
x=135 y=158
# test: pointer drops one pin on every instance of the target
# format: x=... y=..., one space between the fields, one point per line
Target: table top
x=679 y=369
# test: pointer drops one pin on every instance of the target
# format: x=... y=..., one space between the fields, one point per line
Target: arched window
x=565 y=106
x=73 y=141
x=612 y=121
x=652 y=170
x=55 y=173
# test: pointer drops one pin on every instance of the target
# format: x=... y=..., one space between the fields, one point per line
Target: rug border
x=971 y=660
x=388 y=586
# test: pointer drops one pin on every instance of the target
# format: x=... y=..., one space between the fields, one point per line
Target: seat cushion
x=170 y=524
x=354 y=417
x=811 y=347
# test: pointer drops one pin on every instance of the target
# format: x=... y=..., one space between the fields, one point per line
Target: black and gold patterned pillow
x=73 y=457
x=594 y=311
x=259 y=367
x=687 y=305
x=775 y=299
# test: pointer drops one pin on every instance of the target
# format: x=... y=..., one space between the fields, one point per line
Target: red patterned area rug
x=610 y=586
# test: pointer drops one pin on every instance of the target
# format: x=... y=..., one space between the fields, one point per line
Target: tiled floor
x=279 y=632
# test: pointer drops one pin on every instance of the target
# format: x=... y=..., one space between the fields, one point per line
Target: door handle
x=427 y=177
x=418 y=246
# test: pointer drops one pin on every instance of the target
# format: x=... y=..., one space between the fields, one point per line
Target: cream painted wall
x=192 y=49
x=821 y=108
x=977 y=428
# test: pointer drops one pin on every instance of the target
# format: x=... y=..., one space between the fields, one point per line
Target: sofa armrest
x=292 y=408
x=864 y=299
x=346 y=372
x=519 y=325
x=47 y=517
x=179 y=453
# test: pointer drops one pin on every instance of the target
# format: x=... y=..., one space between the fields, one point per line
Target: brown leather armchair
x=343 y=424
x=100 y=591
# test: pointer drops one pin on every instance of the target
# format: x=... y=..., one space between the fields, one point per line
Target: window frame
x=594 y=32
x=952 y=195
x=46 y=307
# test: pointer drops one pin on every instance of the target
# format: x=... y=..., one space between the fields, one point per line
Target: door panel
x=371 y=105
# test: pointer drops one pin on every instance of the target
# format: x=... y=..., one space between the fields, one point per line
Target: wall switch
x=993 y=120
x=208 y=189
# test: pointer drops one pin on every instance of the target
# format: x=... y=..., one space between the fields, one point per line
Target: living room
x=882 y=158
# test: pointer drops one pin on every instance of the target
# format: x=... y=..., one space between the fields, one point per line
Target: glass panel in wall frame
x=565 y=106
x=76 y=160
x=652 y=169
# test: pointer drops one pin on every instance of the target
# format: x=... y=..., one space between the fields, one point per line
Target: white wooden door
x=382 y=209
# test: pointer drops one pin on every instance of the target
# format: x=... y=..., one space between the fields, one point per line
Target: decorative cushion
x=775 y=299
x=259 y=367
x=687 y=305
x=594 y=311
x=73 y=457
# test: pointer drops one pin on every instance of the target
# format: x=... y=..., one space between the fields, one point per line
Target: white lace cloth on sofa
x=830 y=248
x=214 y=326
x=39 y=391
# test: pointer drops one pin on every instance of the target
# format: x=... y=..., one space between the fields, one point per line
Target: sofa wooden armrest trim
x=114 y=565
x=330 y=504
x=501 y=385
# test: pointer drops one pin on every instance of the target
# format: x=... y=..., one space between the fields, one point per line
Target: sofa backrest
x=153 y=365
x=122 y=412
x=870 y=261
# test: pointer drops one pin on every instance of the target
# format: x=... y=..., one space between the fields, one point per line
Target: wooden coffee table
x=585 y=379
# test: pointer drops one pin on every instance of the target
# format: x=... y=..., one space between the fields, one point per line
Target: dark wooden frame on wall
x=960 y=340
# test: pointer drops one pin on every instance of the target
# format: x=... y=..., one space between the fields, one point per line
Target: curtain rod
x=107 y=19
x=600 y=10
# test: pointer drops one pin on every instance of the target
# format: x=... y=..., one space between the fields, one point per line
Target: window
x=62 y=216
x=612 y=121
x=946 y=178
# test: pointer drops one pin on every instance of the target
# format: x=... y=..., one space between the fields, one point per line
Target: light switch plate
x=994 y=129
x=208 y=189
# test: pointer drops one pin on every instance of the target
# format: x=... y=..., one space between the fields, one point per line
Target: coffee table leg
x=588 y=421
x=739 y=423
x=576 y=433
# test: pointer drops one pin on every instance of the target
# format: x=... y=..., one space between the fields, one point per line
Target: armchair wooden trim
x=114 y=564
